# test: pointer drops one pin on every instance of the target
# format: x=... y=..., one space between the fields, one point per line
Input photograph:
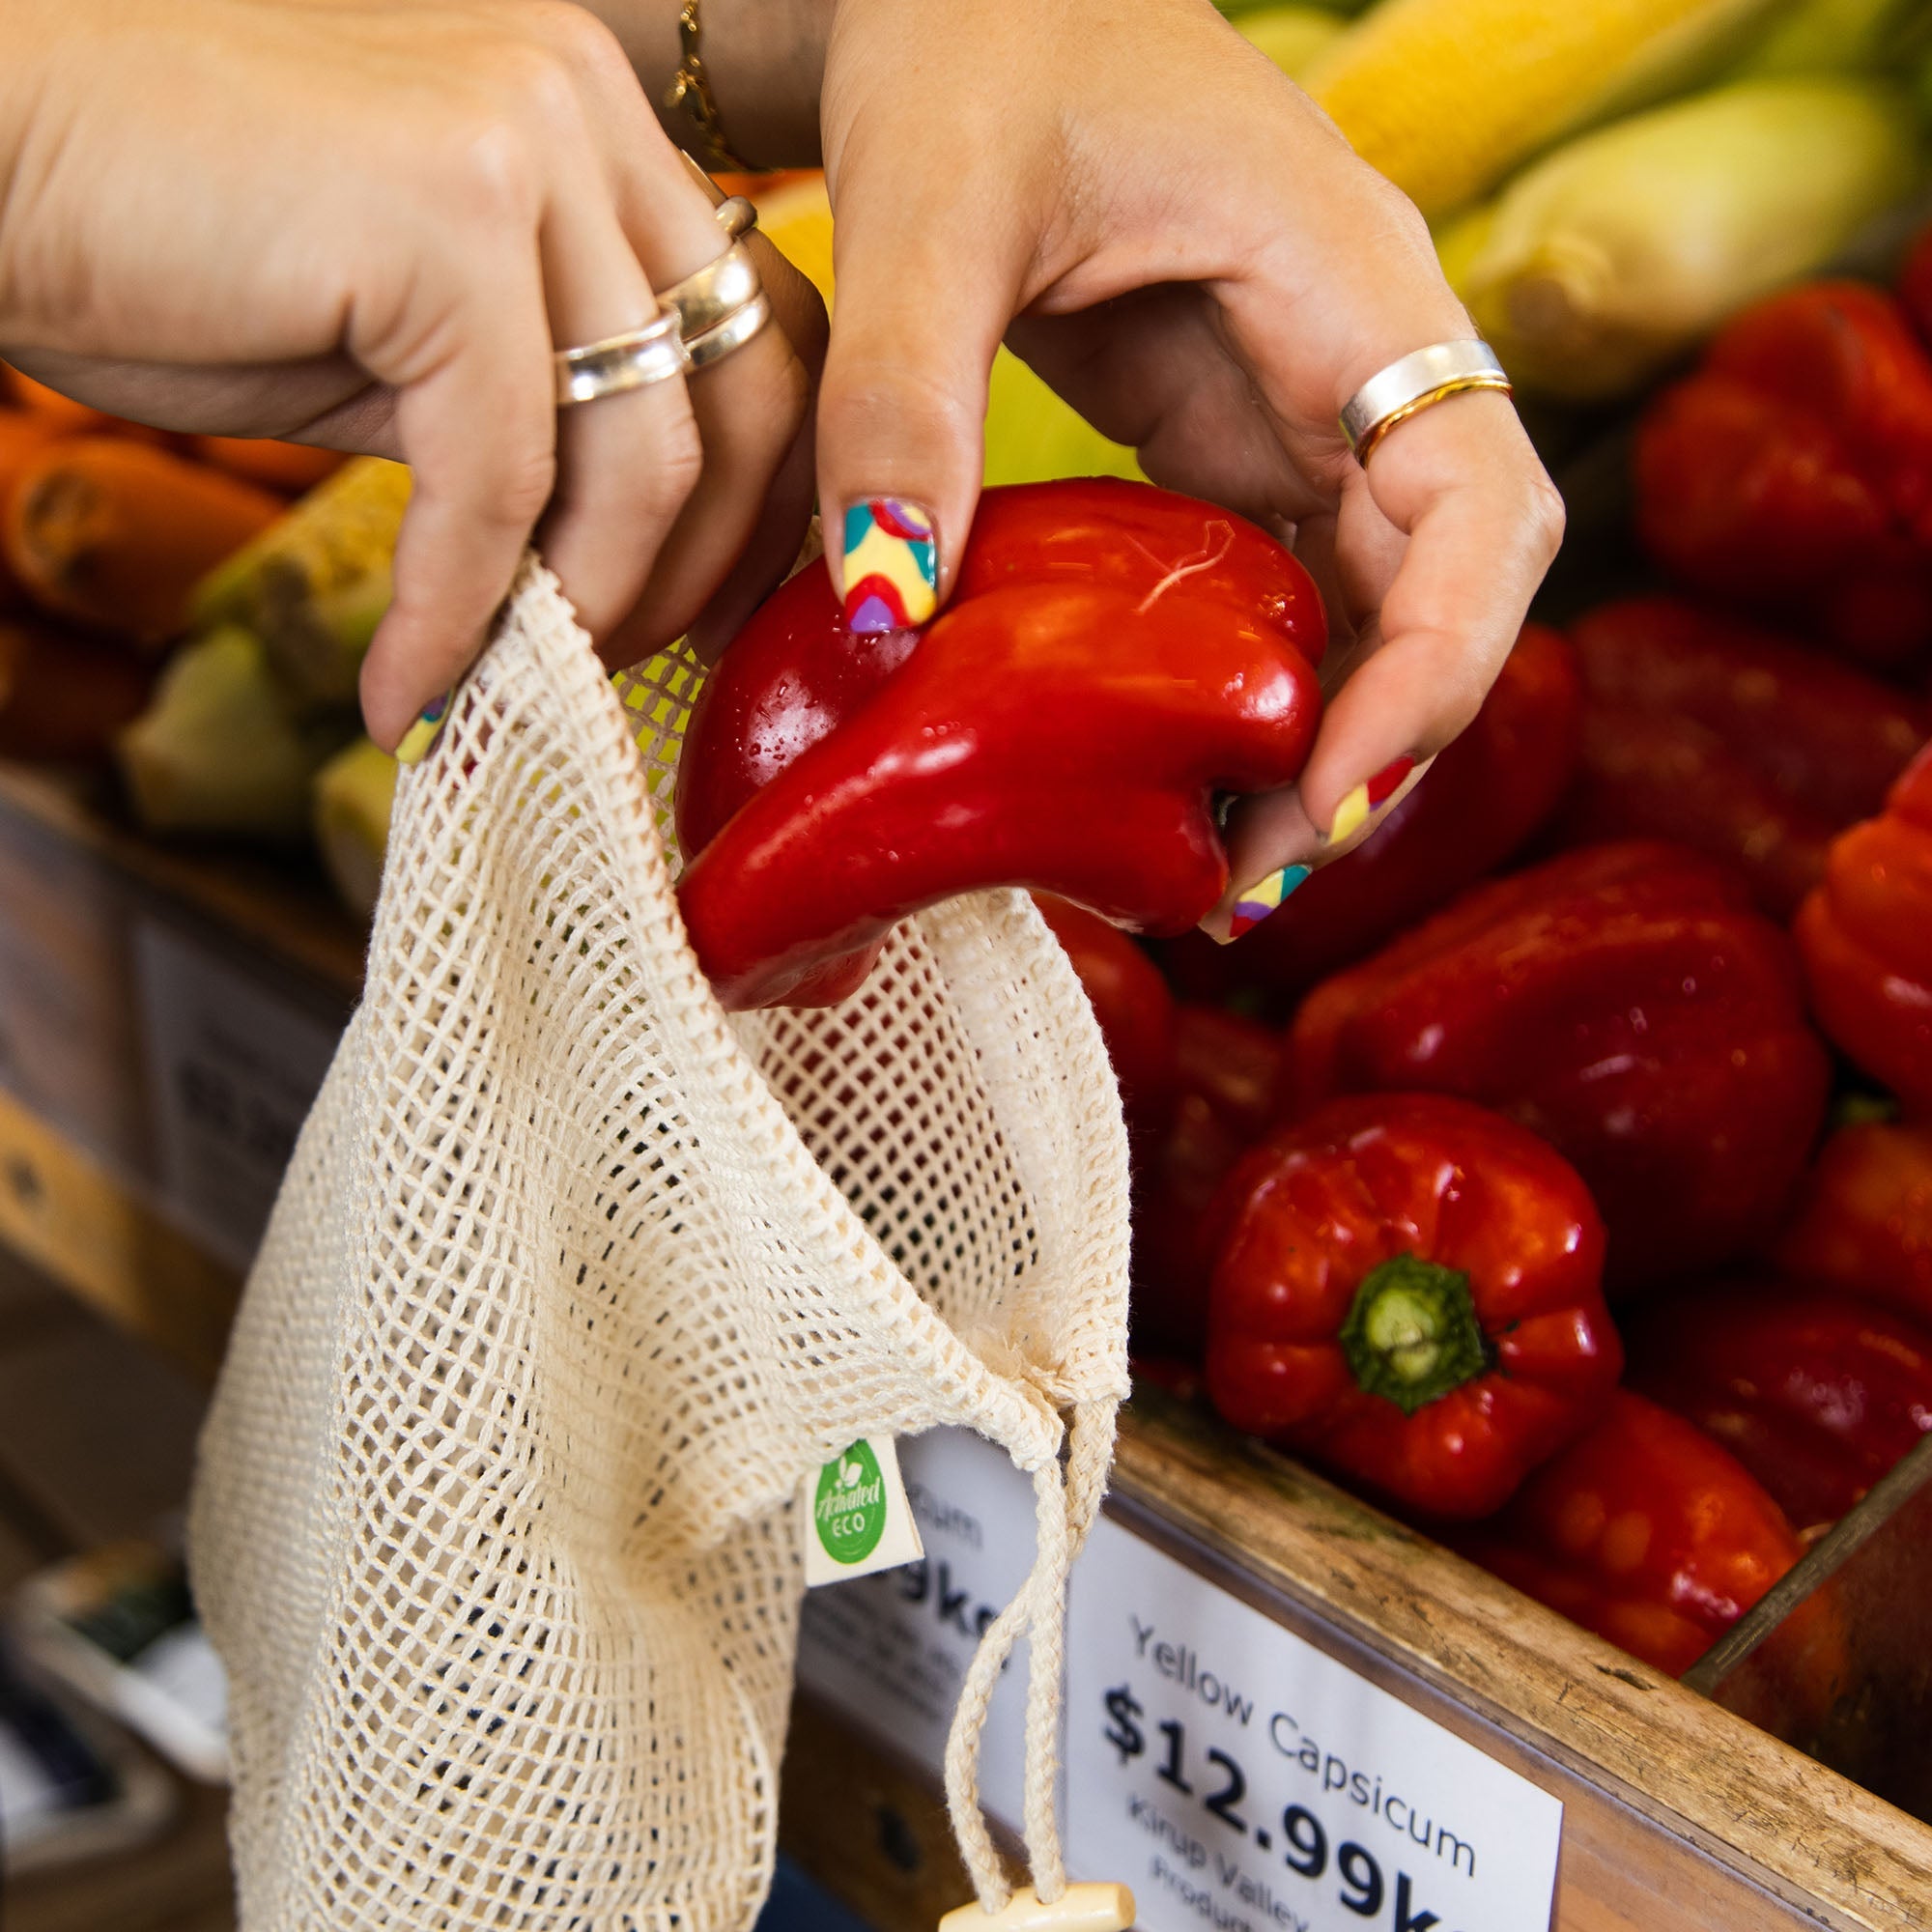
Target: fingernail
x=424 y=732
x=1352 y=814
x=890 y=565
x=1263 y=897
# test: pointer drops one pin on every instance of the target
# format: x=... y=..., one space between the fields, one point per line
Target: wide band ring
x=620 y=363
x=733 y=332
x=715 y=294
x=1411 y=382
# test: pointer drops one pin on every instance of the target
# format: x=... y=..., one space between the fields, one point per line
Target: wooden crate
x=1678 y=1816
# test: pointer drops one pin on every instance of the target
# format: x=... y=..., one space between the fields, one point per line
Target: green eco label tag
x=855 y=1516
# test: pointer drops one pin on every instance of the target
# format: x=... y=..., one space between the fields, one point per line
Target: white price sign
x=890 y=1651
x=1239 y=1778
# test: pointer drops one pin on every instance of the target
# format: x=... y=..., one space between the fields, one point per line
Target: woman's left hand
x=1183 y=244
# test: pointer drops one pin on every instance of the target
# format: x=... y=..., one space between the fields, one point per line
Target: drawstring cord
x=1064 y=1505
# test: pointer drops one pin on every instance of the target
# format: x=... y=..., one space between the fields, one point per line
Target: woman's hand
x=1200 y=264
x=368 y=225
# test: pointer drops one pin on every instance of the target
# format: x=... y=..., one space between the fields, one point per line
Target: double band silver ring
x=1413 y=382
x=733 y=332
x=620 y=363
x=699 y=321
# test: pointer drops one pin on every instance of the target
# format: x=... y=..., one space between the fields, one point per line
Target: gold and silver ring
x=1411 y=384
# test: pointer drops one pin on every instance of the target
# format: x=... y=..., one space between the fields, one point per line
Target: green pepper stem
x=1412 y=1333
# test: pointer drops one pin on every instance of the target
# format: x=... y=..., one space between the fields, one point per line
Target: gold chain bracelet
x=690 y=94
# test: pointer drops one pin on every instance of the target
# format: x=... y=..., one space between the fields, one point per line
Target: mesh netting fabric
x=573 y=1278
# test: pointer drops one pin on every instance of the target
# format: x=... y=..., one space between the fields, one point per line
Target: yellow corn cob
x=1600 y=261
x=350 y=804
x=1445 y=95
x=314 y=586
x=217 y=751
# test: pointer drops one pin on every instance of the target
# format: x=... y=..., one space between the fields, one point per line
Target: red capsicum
x=1863 y=1219
x=1730 y=739
x=1867 y=937
x=1914 y=285
x=1477 y=803
x=1793 y=472
x=1408 y=1288
x=1644 y=1531
x=1133 y=1006
x=1113 y=658
x=1624 y=1002
x=1817 y=1394
x=1226 y=1072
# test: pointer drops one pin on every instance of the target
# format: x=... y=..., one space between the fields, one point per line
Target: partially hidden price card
x=1237 y=1778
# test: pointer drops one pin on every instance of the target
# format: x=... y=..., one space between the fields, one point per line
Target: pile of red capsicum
x=1491 y=1175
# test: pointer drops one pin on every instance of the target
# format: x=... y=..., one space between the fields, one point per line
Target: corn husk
x=1830 y=37
x=217 y=752
x=1606 y=259
x=353 y=796
x=1444 y=97
x=314 y=587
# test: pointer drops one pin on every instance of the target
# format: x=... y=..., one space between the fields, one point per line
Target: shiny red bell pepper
x=1865 y=935
x=1644 y=1531
x=1793 y=473
x=1863 y=1219
x=1133 y=1006
x=1626 y=1004
x=1817 y=1394
x=1730 y=739
x=1113 y=659
x=1227 y=1073
x=1477 y=803
x=1408 y=1288
x=1914 y=285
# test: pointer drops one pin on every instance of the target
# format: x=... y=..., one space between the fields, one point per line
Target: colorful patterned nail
x=1352 y=814
x=424 y=732
x=1263 y=897
x=891 y=565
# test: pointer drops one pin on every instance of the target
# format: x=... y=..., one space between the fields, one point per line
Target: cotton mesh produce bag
x=573 y=1279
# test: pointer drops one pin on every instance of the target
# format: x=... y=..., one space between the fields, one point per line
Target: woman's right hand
x=368 y=225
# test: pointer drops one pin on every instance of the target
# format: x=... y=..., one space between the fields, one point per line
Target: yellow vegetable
x=354 y=793
x=216 y=751
x=1032 y=435
x=1290 y=36
x=1608 y=257
x=1445 y=95
x=1827 y=37
x=314 y=586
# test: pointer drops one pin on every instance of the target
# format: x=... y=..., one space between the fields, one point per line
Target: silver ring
x=620 y=363
x=716 y=291
x=1411 y=384
x=733 y=332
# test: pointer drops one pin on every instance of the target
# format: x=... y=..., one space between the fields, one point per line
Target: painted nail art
x=1263 y=897
x=1351 y=814
x=424 y=732
x=889 y=569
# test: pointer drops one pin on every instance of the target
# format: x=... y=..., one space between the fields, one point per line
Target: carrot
x=118 y=533
x=65 y=697
x=23 y=435
x=290 y=468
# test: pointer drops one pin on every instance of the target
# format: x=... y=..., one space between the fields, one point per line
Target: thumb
x=902 y=404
